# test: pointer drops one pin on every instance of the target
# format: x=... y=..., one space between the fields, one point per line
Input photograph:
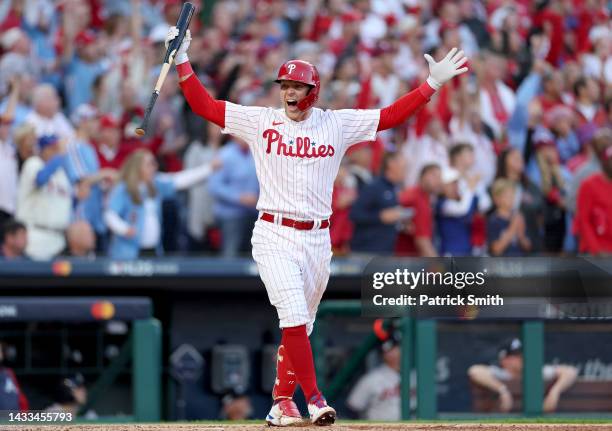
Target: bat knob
x=140 y=131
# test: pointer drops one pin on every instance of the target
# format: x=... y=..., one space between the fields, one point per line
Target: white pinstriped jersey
x=297 y=162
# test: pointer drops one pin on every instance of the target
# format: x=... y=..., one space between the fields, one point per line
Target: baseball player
x=376 y=396
x=297 y=151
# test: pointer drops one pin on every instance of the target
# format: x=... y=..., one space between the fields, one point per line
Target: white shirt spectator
x=608 y=70
x=57 y=125
x=407 y=66
x=373 y=28
x=593 y=66
x=46 y=210
x=462 y=206
x=386 y=88
x=508 y=99
x=485 y=160
x=8 y=180
x=200 y=208
x=151 y=230
x=422 y=151
x=388 y=7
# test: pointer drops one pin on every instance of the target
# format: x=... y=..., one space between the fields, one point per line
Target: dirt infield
x=337 y=427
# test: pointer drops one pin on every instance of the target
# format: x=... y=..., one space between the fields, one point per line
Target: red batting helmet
x=306 y=73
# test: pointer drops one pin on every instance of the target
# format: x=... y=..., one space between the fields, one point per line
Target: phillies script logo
x=301 y=148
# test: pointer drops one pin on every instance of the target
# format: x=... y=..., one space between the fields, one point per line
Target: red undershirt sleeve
x=199 y=99
x=400 y=110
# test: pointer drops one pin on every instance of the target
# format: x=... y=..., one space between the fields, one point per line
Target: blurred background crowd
x=513 y=158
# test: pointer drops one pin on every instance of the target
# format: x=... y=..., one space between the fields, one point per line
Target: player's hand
x=131 y=232
x=446 y=69
x=181 y=54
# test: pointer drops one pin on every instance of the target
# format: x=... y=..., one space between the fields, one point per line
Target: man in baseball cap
x=44 y=202
x=376 y=396
x=509 y=367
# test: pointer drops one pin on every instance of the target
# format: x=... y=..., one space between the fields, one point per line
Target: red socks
x=286 y=381
x=296 y=346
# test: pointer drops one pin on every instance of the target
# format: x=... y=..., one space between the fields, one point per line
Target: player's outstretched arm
x=439 y=73
x=200 y=101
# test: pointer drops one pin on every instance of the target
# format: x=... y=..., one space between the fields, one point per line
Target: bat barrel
x=182 y=24
x=145 y=121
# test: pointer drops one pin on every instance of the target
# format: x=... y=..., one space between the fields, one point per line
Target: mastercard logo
x=62 y=268
x=103 y=310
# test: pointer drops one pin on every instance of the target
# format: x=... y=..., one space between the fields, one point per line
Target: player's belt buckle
x=295 y=224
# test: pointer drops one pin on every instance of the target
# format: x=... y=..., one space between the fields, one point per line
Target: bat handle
x=145 y=121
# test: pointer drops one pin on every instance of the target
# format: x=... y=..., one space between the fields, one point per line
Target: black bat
x=182 y=24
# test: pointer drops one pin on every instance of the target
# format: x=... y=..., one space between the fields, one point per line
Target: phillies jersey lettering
x=297 y=162
x=302 y=147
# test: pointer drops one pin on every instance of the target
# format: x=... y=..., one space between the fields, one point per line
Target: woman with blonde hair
x=134 y=210
x=25 y=142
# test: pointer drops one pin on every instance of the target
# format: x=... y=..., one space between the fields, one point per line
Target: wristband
x=433 y=83
x=181 y=58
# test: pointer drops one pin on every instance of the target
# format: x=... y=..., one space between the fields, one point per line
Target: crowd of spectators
x=512 y=158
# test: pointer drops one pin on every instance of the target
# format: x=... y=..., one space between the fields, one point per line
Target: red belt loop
x=296 y=224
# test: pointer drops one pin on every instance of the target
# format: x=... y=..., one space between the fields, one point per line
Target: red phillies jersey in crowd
x=422 y=222
x=593 y=221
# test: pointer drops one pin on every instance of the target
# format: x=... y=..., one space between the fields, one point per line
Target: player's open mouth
x=292 y=102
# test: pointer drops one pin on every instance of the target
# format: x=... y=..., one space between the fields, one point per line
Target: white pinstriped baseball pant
x=294 y=266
